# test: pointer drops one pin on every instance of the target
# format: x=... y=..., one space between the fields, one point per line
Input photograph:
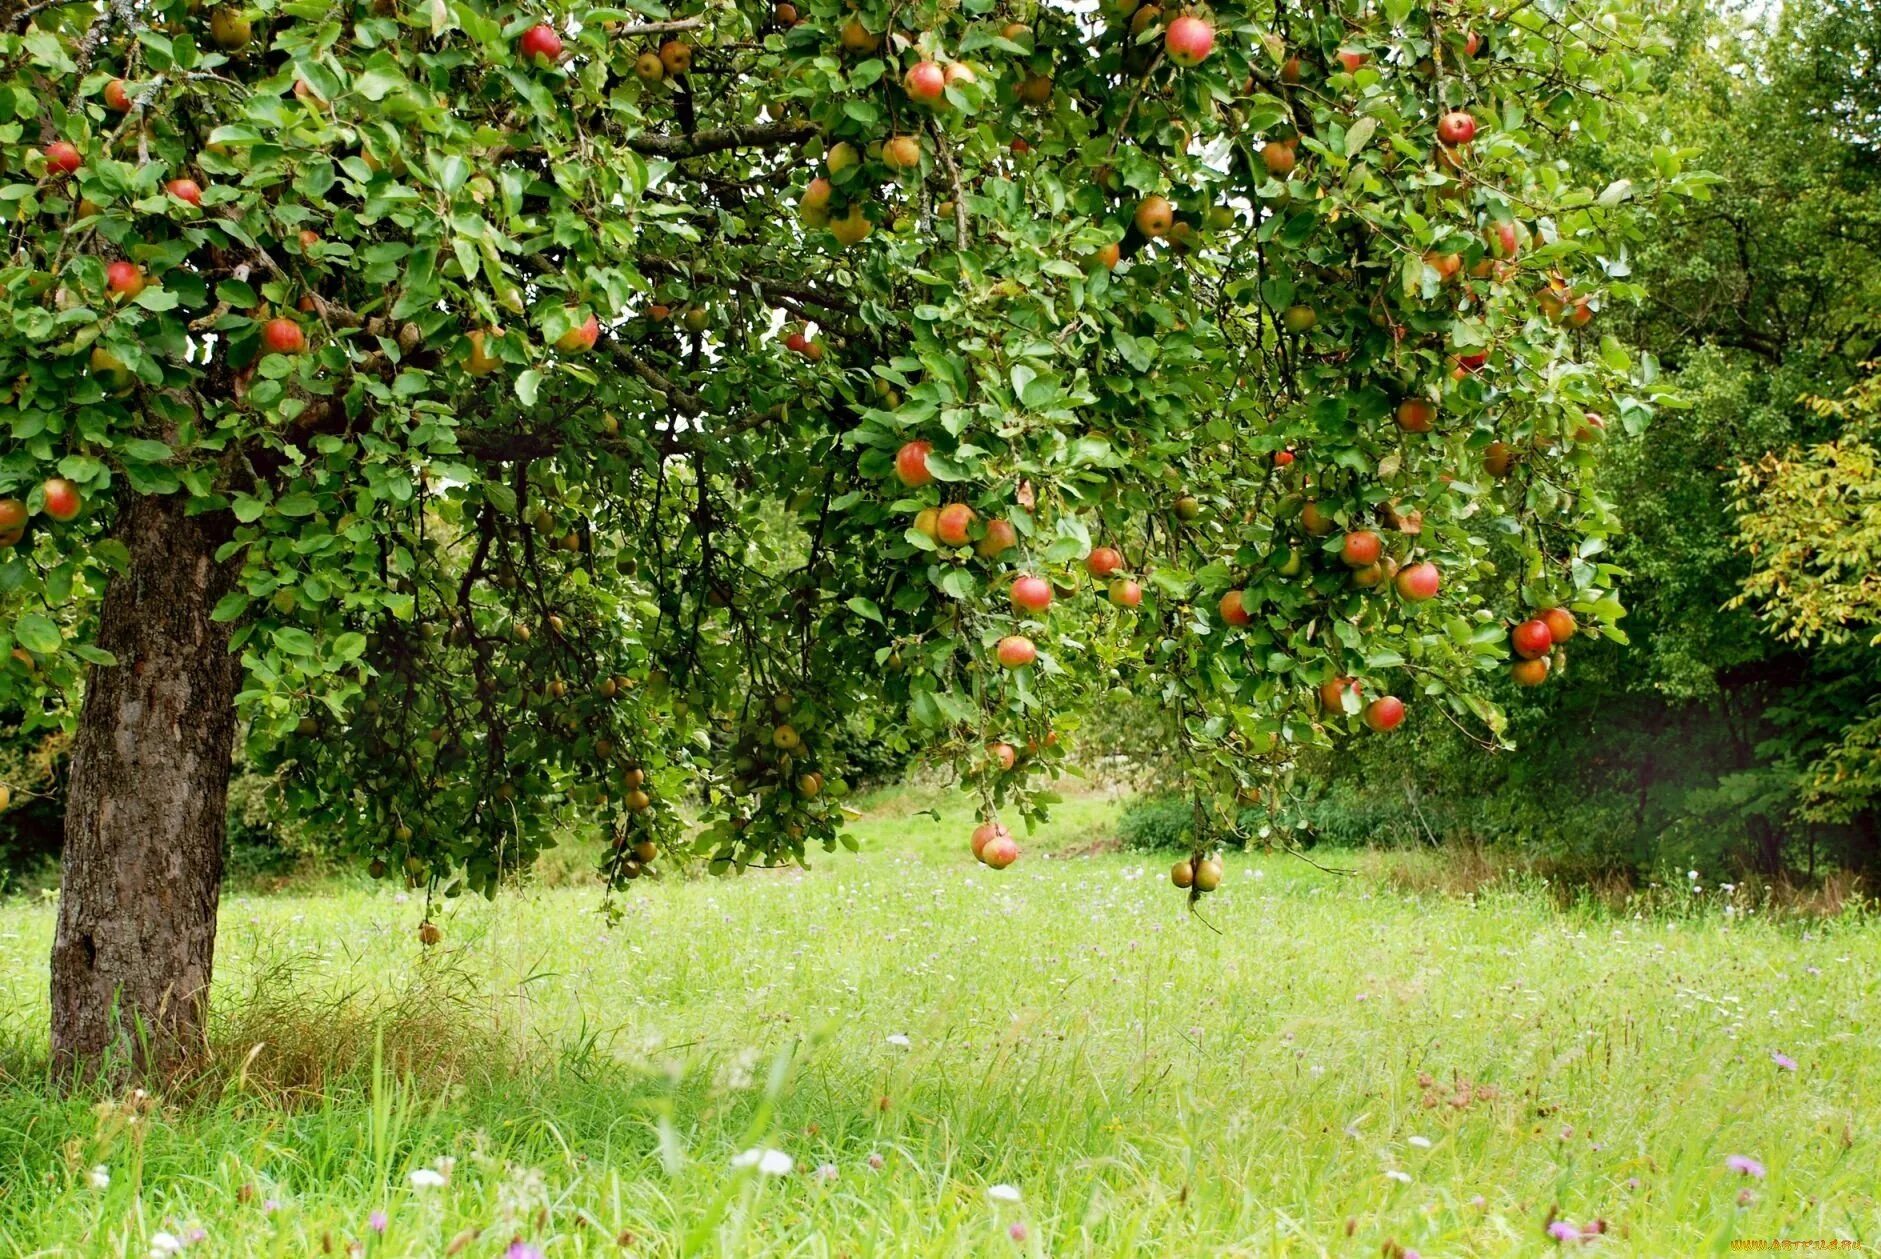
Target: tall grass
x=1057 y=1059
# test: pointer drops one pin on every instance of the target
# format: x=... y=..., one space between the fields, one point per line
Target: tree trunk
x=146 y=805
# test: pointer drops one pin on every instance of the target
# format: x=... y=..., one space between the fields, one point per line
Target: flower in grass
x=875 y=1162
x=768 y=1162
x=1745 y=1165
x=270 y=1205
x=1422 y=1143
x=99 y=1177
x=1003 y=1193
x=520 y=1249
x=377 y=1221
x=163 y=1245
x=827 y=1171
x=896 y=1038
x=1016 y=1232
x=1562 y=1231
x=426 y=1178
x=1783 y=1060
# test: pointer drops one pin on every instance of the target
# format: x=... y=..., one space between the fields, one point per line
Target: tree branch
x=719 y=139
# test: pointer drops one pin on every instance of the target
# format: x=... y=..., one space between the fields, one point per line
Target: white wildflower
x=769 y=1162
x=1003 y=1193
x=426 y=1178
x=163 y=1245
x=99 y=1177
x=898 y=1039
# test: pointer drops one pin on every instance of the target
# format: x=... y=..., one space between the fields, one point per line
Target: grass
x=1338 y=1067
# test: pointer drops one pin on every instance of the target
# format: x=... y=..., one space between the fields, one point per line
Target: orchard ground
x=1057 y=1059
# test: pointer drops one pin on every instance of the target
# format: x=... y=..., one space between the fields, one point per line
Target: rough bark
x=145 y=820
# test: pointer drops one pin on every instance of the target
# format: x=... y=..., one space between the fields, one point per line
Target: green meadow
x=901 y=1053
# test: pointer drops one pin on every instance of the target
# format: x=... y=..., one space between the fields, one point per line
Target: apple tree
x=499 y=415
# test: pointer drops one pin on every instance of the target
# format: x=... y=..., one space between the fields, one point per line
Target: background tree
x=508 y=414
x=1699 y=745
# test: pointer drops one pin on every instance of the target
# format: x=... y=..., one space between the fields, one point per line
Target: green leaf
x=293 y=641
x=148 y=450
x=37 y=633
x=527 y=382
x=230 y=607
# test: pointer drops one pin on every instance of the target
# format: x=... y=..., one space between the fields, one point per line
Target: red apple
x=1031 y=594
x=1155 y=216
x=676 y=56
x=1456 y=127
x=926 y=82
x=185 y=190
x=1282 y=458
x=1384 y=713
x=1126 y=593
x=1000 y=538
x=117 y=96
x=1188 y=40
x=580 y=340
x=1590 y=428
x=1419 y=582
x=1531 y=639
x=541 y=41
x=61 y=498
x=124 y=278
x=1233 y=608
x=1004 y=754
x=1279 y=159
x=1103 y=561
x=1360 y=548
x=283 y=336
x=1561 y=624
x=1504 y=240
x=911 y=464
x=1472 y=362
x=1416 y=415
x=1498 y=459
x=1016 y=651
x=1332 y=694
x=954 y=523
x=1445 y=265
x=61 y=157
x=1530 y=672
x=1109 y=255
x=1000 y=851
x=1350 y=59
x=984 y=834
